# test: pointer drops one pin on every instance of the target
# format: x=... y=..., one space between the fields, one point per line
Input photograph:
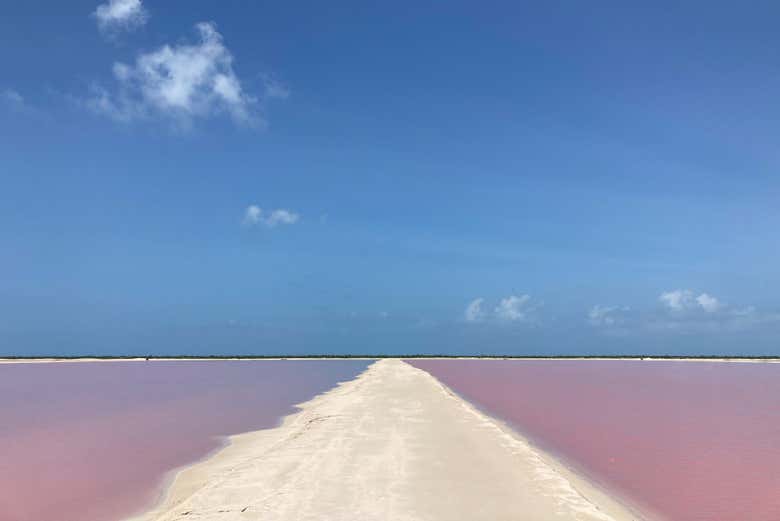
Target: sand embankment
x=393 y=444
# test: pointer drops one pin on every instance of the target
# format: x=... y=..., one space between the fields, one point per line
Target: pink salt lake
x=685 y=441
x=93 y=441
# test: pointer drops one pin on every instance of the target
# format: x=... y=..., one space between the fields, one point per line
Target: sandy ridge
x=392 y=444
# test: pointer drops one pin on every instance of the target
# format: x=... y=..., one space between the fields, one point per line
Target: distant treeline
x=414 y=355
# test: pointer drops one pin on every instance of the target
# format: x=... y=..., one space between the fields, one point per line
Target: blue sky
x=234 y=177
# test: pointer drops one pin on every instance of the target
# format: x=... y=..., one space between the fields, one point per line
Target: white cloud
x=281 y=217
x=182 y=82
x=708 y=303
x=685 y=299
x=121 y=14
x=474 y=311
x=684 y=311
x=513 y=308
x=678 y=299
x=254 y=215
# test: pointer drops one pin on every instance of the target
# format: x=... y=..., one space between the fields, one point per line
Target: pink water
x=93 y=441
x=691 y=441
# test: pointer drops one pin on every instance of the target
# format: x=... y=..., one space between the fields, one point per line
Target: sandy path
x=392 y=444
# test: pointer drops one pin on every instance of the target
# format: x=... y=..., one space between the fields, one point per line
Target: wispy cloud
x=116 y=15
x=687 y=310
x=273 y=88
x=12 y=98
x=474 y=312
x=254 y=216
x=13 y=101
x=607 y=316
x=682 y=310
x=181 y=82
x=514 y=308
x=708 y=303
x=685 y=299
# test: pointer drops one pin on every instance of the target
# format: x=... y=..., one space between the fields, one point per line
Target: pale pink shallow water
x=688 y=441
x=93 y=441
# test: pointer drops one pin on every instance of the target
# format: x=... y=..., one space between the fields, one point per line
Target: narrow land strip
x=393 y=444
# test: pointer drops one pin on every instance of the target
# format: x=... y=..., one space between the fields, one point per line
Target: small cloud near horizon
x=254 y=216
x=514 y=308
x=685 y=299
x=682 y=310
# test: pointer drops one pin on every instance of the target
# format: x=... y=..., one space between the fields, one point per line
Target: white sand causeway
x=393 y=444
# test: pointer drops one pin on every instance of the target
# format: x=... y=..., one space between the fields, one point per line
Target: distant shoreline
x=647 y=358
